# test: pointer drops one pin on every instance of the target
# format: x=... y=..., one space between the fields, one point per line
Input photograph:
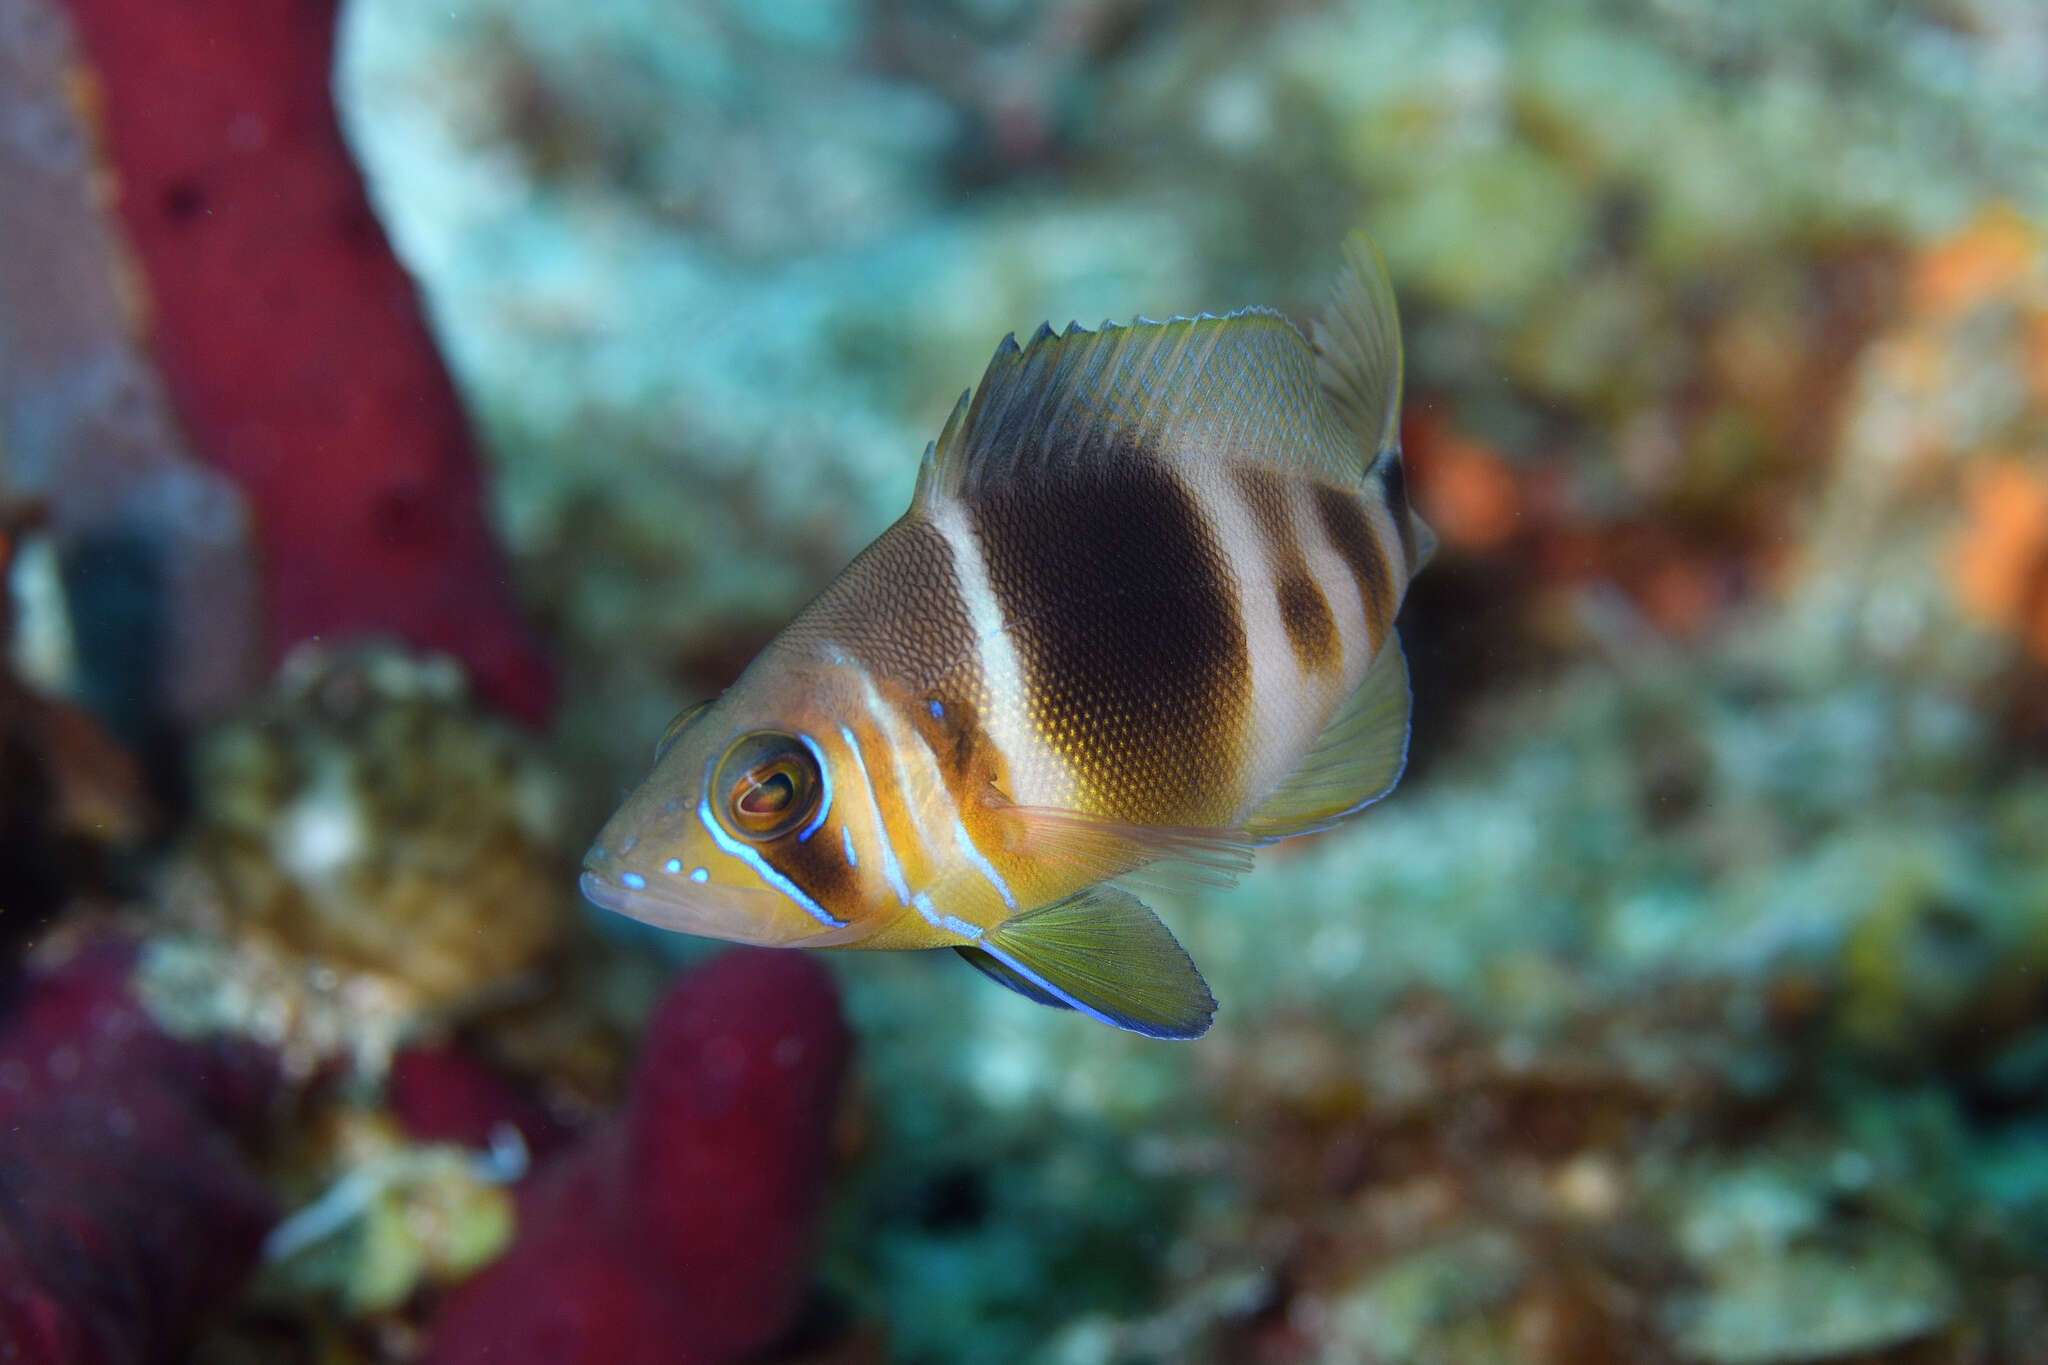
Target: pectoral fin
x=1356 y=760
x=1009 y=979
x=1102 y=952
x=1160 y=855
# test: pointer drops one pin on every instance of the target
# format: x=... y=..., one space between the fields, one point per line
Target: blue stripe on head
x=846 y=837
x=824 y=776
x=890 y=869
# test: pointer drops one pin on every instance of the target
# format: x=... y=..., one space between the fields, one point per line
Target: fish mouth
x=733 y=913
x=636 y=897
x=606 y=895
x=610 y=883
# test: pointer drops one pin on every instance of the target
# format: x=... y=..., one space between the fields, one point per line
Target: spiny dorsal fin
x=1242 y=387
x=1355 y=761
x=1358 y=349
x=1102 y=952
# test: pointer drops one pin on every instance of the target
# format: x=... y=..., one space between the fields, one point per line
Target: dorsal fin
x=1242 y=387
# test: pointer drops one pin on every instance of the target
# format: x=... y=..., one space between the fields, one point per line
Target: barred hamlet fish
x=1138 y=620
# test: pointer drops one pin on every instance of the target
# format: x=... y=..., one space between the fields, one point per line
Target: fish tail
x=1360 y=365
x=1358 y=350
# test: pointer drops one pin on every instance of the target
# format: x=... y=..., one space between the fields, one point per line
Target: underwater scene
x=1480 y=724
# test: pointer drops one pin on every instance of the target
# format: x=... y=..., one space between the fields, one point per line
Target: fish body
x=1137 y=621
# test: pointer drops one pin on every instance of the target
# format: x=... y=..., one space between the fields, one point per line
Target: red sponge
x=120 y=1155
x=683 y=1231
x=293 y=344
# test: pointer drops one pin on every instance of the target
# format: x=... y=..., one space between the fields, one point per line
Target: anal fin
x=1102 y=952
x=1355 y=761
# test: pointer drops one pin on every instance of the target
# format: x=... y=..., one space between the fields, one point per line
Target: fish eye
x=676 y=728
x=769 y=783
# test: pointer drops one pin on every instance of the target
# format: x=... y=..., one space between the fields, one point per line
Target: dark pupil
x=770 y=795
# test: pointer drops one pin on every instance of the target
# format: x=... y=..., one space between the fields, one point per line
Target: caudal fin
x=1358 y=349
x=1359 y=361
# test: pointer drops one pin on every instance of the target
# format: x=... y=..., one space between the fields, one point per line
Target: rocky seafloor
x=1685 y=1002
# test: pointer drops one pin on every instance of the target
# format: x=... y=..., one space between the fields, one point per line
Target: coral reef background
x=1685 y=1003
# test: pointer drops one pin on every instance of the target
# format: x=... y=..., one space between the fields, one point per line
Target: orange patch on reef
x=1681 y=596
x=1999 y=567
x=2037 y=355
x=1471 y=498
x=1989 y=258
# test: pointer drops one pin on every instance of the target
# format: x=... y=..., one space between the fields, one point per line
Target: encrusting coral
x=370 y=853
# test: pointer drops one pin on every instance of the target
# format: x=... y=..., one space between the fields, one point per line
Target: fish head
x=736 y=833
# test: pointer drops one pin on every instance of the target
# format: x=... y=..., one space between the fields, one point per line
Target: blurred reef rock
x=73 y=799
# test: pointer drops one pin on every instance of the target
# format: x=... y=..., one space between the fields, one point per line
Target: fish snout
x=673 y=892
x=614 y=880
